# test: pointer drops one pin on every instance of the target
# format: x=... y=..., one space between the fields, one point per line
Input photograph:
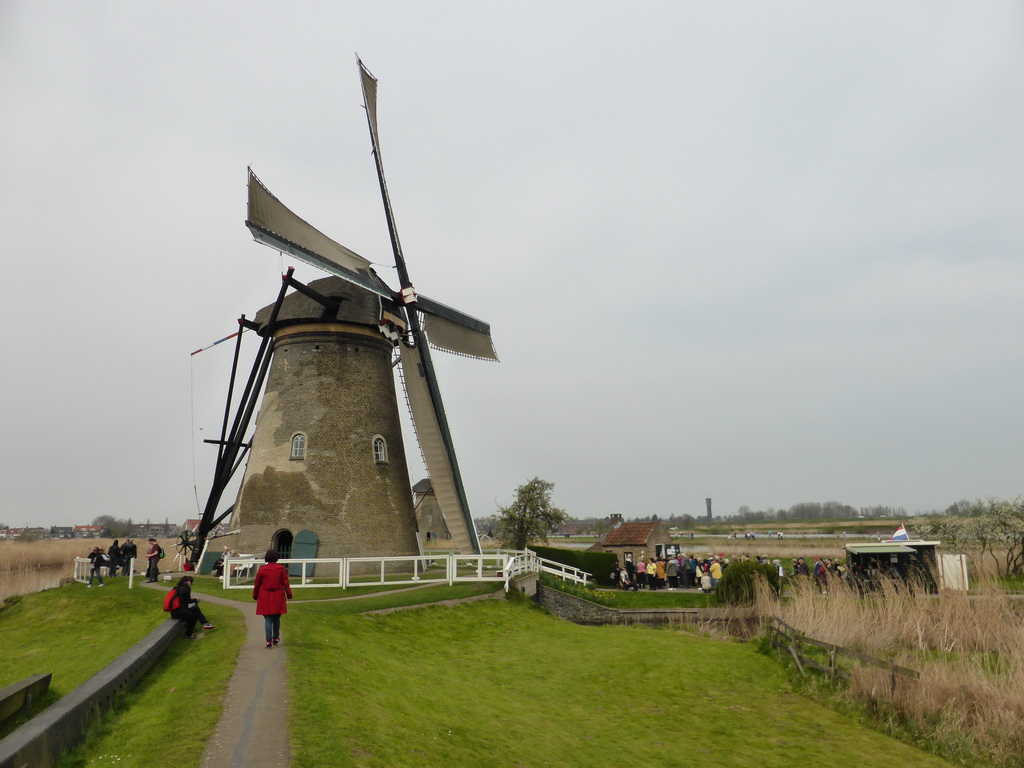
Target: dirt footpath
x=253 y=727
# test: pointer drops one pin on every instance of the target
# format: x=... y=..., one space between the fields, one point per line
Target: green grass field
x=497 y=683
x=488 y=683
x=74 y=632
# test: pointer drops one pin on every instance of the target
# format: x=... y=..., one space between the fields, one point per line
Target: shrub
x=737 y=585
x=597 y=564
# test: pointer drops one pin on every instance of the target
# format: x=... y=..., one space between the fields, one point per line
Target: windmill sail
x=443 y=477
x=272 y=223
x=453 y=331
x=456 y=332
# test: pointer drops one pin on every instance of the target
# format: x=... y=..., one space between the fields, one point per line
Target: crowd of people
x=118 y=557
x=670 y=573
x=704 y=572
x=698 y=572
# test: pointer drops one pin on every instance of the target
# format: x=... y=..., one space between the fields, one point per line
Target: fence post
x=892 y=676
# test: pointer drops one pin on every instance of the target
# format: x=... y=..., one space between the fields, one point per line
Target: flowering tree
x=995 y=527
x=531 y=516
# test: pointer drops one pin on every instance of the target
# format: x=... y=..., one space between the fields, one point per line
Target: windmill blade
x=432 y=433
x=369 y=86
x=272 y=223
x=454 y=331
x=417 y=370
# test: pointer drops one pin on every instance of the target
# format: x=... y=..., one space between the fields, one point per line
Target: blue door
x=304 y=545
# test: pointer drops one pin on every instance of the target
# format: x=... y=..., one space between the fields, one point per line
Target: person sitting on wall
x=188 y=608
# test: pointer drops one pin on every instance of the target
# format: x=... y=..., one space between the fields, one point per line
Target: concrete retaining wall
x=39 y=742
x=580 y=611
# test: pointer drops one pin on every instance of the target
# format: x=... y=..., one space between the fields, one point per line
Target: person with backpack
x=271 y=591
x=183 y=607
x=153 y=555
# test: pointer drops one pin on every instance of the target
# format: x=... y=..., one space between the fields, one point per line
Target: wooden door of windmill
x=304 y=545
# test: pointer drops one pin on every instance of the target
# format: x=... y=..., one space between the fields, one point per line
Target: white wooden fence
x=443 y=568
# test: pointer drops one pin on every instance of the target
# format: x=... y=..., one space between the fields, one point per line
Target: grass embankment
x=209 y=585
x=495 y=683
x=486 y=683
x=74 y=632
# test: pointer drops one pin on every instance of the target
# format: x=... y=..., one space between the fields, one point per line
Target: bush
x=597 y=564
x=736 y=587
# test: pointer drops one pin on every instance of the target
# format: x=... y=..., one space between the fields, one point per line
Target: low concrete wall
x=18 y=696
x=527 y=584
x=39 y=742
x=580 y=611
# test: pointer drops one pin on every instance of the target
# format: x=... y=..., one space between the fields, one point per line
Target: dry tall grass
x=31 y=566
x=806 y=548
x=968 y=649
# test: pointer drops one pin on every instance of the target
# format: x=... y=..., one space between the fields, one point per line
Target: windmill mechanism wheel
x=187 y=544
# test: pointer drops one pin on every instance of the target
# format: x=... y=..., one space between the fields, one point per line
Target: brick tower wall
x=334 y=383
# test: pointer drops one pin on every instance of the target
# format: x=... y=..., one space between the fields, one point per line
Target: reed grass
x=32 y=566
x=969 y=650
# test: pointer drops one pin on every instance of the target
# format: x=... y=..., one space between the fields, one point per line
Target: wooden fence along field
x=792 y=641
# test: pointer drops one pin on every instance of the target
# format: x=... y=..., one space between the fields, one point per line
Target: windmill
x=326 y=358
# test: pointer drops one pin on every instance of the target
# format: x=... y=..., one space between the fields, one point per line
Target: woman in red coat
x=271 y=591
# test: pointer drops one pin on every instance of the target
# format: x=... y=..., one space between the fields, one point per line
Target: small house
x=634 y=540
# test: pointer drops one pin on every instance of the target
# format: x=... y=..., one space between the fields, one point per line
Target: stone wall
x=580 y=611
x=335 y=385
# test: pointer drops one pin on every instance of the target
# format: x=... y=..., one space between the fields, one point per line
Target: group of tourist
x=670 y=573
x=697 y=572
x=118 y=557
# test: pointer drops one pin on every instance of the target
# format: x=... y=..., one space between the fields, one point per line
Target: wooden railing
x=792 y=641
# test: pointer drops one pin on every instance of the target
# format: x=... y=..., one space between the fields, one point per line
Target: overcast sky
x=764 y=252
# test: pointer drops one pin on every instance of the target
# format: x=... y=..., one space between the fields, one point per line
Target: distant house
x=87 y=531
x=429 y=520
x=631 y=541
x=62 y=532
x=192 y=526
x=144 y=531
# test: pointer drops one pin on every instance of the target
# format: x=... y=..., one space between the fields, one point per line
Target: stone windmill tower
x=326 y=474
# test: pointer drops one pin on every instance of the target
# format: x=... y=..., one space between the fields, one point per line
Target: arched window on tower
x=298 y=446
x=380 y=450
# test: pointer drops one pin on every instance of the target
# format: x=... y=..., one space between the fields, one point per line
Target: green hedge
x=597 y=564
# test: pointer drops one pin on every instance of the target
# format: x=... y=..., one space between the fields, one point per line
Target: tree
x=113 y=528
x=531 y=516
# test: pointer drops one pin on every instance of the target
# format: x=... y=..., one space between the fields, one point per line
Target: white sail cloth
x=435 y=454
